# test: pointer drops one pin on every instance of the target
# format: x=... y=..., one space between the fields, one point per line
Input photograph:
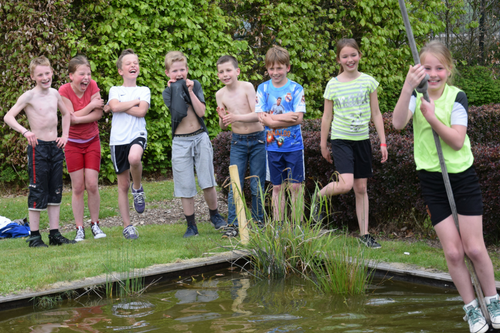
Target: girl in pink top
x=83 y=150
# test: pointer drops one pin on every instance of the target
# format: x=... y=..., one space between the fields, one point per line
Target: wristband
x=26 y=132
x=383 y=145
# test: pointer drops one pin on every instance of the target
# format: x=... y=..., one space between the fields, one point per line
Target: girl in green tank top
x=447 y=115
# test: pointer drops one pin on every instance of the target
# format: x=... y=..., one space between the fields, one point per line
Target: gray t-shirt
x=178 y=105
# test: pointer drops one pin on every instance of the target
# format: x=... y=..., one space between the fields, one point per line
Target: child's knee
x=454 y=256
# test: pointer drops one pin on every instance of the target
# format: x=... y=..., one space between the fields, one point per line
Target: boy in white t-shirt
x=129 y=104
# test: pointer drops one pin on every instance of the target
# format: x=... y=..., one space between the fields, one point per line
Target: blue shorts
x=287 y=166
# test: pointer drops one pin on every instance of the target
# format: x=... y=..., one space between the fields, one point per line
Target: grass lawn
x=25 y=268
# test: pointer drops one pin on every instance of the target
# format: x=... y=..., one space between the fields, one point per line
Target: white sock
x=488 y=299
x=473 y=303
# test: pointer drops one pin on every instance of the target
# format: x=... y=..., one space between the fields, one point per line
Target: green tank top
x=425 y=151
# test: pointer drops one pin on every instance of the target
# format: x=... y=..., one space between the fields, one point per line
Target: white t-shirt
x=124 y=127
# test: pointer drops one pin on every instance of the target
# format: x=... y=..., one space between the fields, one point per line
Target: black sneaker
x=192 y=230
x=218 y=221
x=58 y=239
x=369 y=241
x=36 y=241
x=231 y=232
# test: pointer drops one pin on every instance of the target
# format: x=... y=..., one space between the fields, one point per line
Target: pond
x=228 y=301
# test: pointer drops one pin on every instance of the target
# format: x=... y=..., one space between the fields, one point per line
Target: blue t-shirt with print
x=292 y=100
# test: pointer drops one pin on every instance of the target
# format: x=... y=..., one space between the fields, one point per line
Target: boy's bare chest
x=42 y=107
x=236 y=102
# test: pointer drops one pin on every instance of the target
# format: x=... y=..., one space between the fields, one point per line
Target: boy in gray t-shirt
x=191 y=146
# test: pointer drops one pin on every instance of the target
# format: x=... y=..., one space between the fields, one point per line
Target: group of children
x=265 y=127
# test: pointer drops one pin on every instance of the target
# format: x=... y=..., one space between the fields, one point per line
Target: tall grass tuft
x=299 y=245
x=123 y=279
x=343 y=269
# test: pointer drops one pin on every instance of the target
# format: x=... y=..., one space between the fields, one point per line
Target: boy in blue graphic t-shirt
x=281 y=104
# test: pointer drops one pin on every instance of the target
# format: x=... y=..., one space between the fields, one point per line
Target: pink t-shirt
x=81 y=131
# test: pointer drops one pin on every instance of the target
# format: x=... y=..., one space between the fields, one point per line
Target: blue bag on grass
x=14 y=229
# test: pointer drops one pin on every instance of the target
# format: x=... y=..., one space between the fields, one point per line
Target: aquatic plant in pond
x=329 y=260
x=123 y=279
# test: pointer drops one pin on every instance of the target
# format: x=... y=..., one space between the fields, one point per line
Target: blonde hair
x=174 y=56
x=443 y=54
x=76 y=62
x=277 y=54
x=122 y=55
x=344 y=42
x=40 y=61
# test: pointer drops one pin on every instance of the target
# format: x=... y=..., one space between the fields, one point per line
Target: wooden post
x=240 y=207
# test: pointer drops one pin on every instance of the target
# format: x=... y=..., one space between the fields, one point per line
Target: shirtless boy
x=191 y=146
x=45 y=150
x=236 y=107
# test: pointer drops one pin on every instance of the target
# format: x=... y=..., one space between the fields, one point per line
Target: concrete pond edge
x=189 y=267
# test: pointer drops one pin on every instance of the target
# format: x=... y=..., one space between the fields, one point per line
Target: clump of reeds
x=300 y=245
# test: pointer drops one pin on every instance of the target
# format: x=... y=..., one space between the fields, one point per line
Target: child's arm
x=85 y=115
x=10 y=118
x=278 y=121
x=326 y=122
x=198 y=107
x=402 y=114
x=66 y=120
x=139 y=111
x=221 y=111
x=117 y=106
x=379 y=124
x=251 y=117
x=453 y=136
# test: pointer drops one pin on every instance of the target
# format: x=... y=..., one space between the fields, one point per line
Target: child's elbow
x=397 y=125
x=457 y=147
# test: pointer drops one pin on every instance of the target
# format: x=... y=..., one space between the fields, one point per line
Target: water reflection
x=237 y=303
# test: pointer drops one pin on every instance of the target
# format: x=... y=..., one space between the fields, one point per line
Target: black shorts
x=466 y=191
x=119 y=154
x=353 y=157
x=45 y=168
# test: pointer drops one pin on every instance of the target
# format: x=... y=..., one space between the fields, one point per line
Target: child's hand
x=31 y=137
x=228 y=119
x=221 y=111
x=415 y=75
x=73 y=119
x=289 y=117
x=385 y=154
x=97 y=103
x=61 y=142
x=264 y=118
x=170 y=82
x=428 y=110
x=106 y=108
x=326 y=154
x=189 y=85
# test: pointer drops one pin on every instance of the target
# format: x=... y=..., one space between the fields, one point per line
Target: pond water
x=226 y=301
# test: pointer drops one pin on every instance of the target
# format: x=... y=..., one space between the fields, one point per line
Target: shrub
x=394 y=189
x=479 y=84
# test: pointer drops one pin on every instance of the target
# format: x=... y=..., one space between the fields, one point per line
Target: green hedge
x=479 y=84
x=204 y=30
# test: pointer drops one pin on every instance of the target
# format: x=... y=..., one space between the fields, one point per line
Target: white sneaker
x=494 y=310
x=96 y=231
x=80 y=234
x=475 y=318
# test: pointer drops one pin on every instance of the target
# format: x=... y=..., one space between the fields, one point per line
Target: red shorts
x=83 y=155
